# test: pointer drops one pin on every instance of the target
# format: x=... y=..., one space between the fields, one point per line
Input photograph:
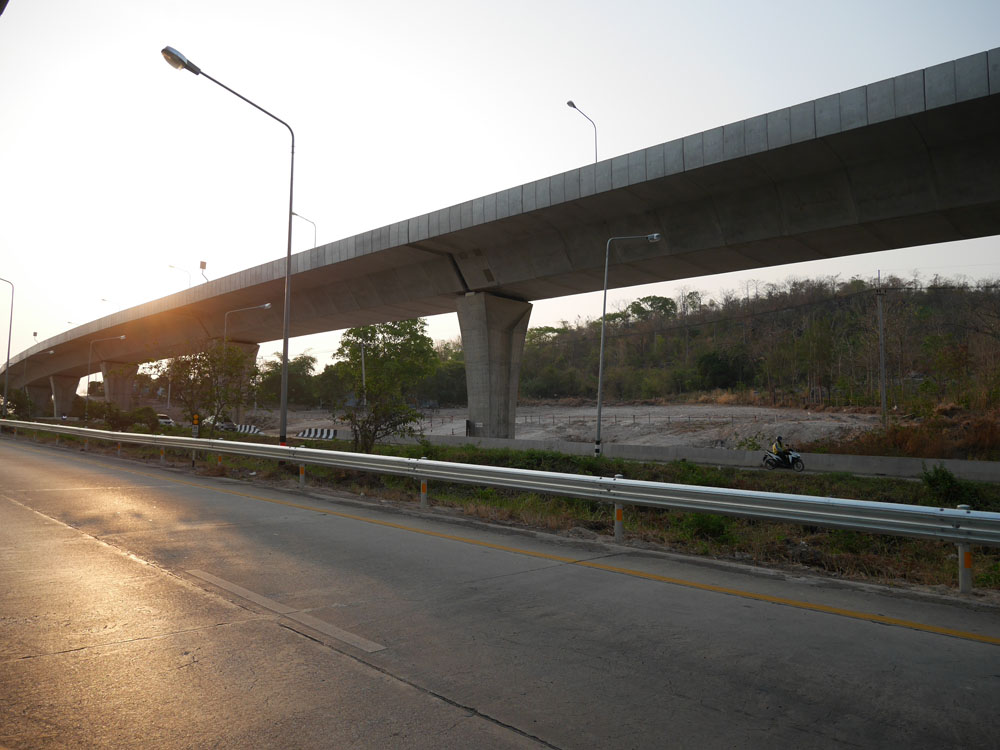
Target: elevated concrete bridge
x=910 y=160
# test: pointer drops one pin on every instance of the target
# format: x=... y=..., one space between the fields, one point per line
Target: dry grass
x=950 y=434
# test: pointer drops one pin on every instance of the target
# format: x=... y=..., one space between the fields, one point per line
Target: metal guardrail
x=960 y=526
x=946 y=524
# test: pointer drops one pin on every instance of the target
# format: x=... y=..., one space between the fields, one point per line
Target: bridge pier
x=63 y=390
x=493 y=330
x=41 y=400
x=118 y=380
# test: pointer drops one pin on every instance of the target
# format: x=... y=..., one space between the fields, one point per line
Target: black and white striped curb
x=318 y=433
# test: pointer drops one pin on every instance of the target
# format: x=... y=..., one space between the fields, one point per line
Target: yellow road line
x=810 y=606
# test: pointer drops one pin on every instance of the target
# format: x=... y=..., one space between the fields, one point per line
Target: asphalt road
x=142 y=607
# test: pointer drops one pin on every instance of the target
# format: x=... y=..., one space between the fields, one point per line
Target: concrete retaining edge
x=887 y=466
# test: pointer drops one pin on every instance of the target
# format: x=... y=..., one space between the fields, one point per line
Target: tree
x=645 y=308
x=300 y=380
x=212 y=382
x=397 y=358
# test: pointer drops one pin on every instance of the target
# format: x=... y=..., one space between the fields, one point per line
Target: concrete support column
x=250 y=351
x=118 y=380
x=63 y=390
x=493 y=330
x=41 y=400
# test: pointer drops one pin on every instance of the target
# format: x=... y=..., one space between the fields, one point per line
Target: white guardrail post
x=964 y=563
x=619 y=518
x=961 y=526
x=423 y=488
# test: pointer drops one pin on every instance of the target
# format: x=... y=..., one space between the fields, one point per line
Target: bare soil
x=693 y=425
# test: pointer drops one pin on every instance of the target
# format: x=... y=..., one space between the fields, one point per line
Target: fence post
x=302 y=475
x=964 y=563
x=423 y=488
x=619 y=519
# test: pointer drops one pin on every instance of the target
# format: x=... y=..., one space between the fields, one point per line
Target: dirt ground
x=694 y=425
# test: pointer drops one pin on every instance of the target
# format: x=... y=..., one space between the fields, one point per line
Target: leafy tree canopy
x=384 y=365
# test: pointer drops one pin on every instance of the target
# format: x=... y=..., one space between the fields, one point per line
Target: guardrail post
x=964 y=563
x=964 y=568
x=619 y=519
x=423 y=488
x=302 y=475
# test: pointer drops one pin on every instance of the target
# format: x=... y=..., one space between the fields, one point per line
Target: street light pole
x=185 y=271
x=177 y=60
x=10 y=328
x=655 y=237
x=311 y=222
x=225 y=321
x=571 y=105
x=90 y=354
x=364 y=384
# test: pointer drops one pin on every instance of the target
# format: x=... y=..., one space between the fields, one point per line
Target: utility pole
x=879 y=293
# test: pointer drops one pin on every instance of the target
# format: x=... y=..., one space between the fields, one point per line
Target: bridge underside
x=904 y=162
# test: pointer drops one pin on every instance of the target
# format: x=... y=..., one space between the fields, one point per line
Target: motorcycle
x=791 y=460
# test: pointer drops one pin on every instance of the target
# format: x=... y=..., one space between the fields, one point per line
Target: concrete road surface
x=142 y=607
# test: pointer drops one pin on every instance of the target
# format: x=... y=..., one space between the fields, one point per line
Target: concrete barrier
x=887 y=466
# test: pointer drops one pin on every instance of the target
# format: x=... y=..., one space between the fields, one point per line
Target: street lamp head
x=570 y=104
x=177 y=60
x=266 y=306
x=654 y=237
x=122 y=337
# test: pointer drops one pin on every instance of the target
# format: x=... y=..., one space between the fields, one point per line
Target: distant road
x=149 y=608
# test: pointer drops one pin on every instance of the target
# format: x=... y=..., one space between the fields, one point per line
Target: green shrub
x=146 y=415
x=947 y=490
x=705 y=526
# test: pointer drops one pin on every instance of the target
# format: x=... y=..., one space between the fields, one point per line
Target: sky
x=120 y=174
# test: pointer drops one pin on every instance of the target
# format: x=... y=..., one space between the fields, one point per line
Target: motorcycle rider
x=778 y=448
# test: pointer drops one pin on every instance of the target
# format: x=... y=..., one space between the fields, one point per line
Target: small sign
x=194 y=426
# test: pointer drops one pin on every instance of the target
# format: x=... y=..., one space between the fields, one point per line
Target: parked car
x=220 y=423
x=165 y=420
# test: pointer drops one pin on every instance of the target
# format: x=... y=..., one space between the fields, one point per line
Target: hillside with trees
x=803 y=343
x=807 y=343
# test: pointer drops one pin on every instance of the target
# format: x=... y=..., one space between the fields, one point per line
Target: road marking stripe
x=291 y=613
x=810 y=606
x=853 y=614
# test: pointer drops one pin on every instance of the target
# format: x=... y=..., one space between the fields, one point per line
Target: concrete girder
x=118 y=380
x=904 y=161
x=493 y=330
x=63 y=390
